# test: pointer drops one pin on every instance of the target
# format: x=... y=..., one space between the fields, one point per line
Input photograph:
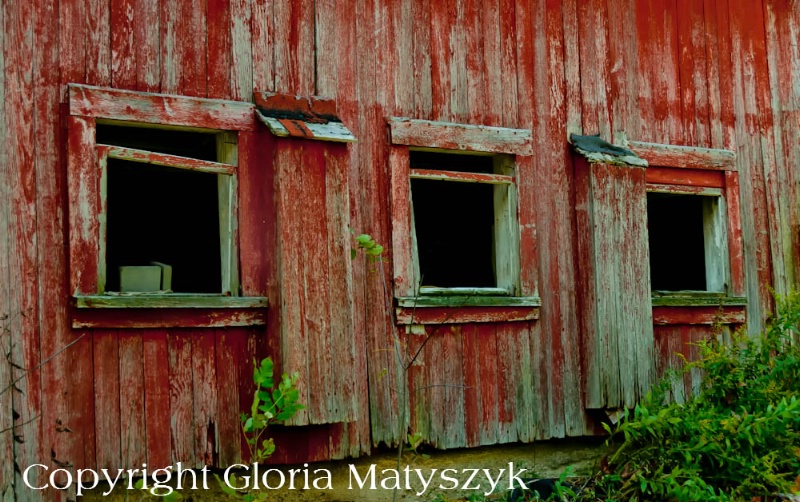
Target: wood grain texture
x=181 y=397
x=107 y=398
x=132 y=404
x=452 y=136
x=161 y=108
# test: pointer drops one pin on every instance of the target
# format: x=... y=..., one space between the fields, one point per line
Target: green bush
x=736 y=439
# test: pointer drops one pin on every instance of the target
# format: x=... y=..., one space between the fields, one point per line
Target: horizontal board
x=168 y=318
x=699 y=315
x=450 y=315
x=175 y=300
x=330 y=131
x=432 y=174
x=117 y=104
x=688 y=299
x=686 y=157
x=684 y=189
x=451 y=136
x=469 y=301
x=685 y=177
x=163 y=159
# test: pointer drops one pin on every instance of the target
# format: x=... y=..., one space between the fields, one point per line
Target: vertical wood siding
x=716 y=73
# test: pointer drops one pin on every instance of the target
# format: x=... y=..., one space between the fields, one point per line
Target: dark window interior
x=677 y=248
x=174 y=142
x=454 y=223
x=452 y=162
x=163 y=214
x=160 y=213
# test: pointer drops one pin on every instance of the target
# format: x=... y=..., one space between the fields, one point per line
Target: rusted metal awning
x=307 y=117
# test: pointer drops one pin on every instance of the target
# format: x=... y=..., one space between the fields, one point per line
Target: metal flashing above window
x=306 y=117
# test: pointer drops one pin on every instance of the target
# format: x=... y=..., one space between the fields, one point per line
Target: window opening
x=166 y=215
x=685 y=238
x=162 y=223
x=195 y=145
x=454 y=221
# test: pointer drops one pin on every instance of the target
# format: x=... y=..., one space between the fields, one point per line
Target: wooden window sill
x=695 y=299
x=698 y=307
x=168 y=311
x=466 y=309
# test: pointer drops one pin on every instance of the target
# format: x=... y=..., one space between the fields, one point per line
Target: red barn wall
x=711 y=73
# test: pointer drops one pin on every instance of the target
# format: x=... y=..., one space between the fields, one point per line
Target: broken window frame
x=87 y=183
x=711 y=173
x=505 y=146
x=225 y=171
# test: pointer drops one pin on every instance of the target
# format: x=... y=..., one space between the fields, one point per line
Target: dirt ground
x=339 y=481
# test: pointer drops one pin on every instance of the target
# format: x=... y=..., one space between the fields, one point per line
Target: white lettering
x=512 y=476
x=81 y=486
x=425 y=482
x=493 y=483
x=450 y=479
x=327 y=478
x=27 y=481
x=226 y=476
x=370 y=475
x=466 y=486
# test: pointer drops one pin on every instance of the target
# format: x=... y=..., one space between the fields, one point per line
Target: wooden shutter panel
x=614 y=261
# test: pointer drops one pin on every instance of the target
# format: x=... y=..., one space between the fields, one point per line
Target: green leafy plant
x=737 y=438
x=368 y=244
x=273 y=402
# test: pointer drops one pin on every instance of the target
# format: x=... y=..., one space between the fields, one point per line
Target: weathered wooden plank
x=594 y=68
x=471 y=350
x=243 y=59
x=453 y=379
x=147 y=36
x=405 y=271
x=22 y=334
x=48 y=141
x=686 y=157
x=735 y=245
x=163 y=159
x=699 y=315
x=512 y=415
x=6 y=307
x=294 y=46
x=107 y=399
x=262 y=33
x=340 y=287
x=132 y=412
x=171 y=46
x=330 y=131
x=123 y=43
x=432 y=174
x=315 y=279
x=170 y=300
x=475 y=299
x=83 y=205
x=181 y=397
x=135 y=106
x=219 y=51
x=459 y=315
x=155 y=362
x=435 y=386
x=98 y=48
x=748 y=135
x=229 y=343
x=204 y=376
x=684 y=189
x=72 y=42
x=290 y=204
x=452 y=136
x=168 y=318
x=685 y=177
x=256 y=198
